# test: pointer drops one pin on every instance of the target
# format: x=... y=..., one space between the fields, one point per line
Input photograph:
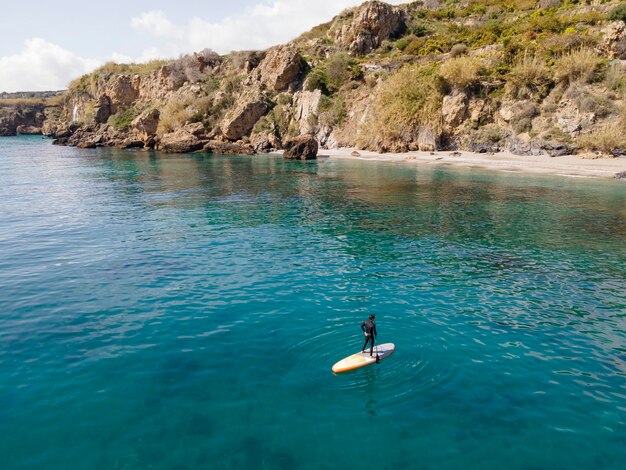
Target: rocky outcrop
x=372 y=23
x=122 y=91
x=21 y=117
x=280 y=68
x=454 y=108
x=180 y=141
x=303 y=147
x=102 y=110
x=613 y=43
x=28 y=130
x=242 y=119
x=227 y=148
x=146 y=124
x=306 y=104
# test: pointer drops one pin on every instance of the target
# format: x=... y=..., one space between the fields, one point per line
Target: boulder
x=303 y=147
x=240 y=121
x=372 y=23
x=427 y=140
x=454 y=108
x=613 y=43
x=28 y=130
x=180 y=141
x=90 y=141
x=228 y=148
x=146 y=124
x=102 y=110
x=280 y=68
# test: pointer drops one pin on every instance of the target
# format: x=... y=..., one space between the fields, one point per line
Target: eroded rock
x=454 y=108
x=613 y=42
x=146 y=124
x=280 y=68
x=239 y=122
x=180 y=141
x=303 y=147
x=228 y=148
x=372 y=23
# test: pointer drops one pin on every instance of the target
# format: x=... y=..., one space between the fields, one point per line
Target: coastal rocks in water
x=28 y=130
x=91 y=141
x=372 y=23
x=228 y=148
x=242 y=119
x=180 y=141
x=146 y=124
x=280 y=67
x=102 y=110
x=303 y=147
x=614 y=41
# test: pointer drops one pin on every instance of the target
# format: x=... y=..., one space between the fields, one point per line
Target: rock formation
x=378 y=77
x=303 y=147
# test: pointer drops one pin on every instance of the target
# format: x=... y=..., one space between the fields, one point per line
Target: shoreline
x=569 y=165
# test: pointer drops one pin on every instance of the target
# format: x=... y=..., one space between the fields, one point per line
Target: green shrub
x=317 y=80
x=618 y=13
x=403 y=42
x=123 y=118
x=341 y=68
x=332 y=111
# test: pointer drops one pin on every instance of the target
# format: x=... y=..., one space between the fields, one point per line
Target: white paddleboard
x=358 y=360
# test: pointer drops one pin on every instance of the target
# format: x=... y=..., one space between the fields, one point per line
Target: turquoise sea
x=179 y=312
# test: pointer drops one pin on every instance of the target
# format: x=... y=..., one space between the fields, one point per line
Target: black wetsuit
x=369 y=327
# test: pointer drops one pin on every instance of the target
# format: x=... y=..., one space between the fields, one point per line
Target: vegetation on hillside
x=518 y=70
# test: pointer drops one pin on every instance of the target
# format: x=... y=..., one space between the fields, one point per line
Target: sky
x=47 y=44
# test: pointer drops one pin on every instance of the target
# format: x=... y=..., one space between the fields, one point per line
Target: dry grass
x=462 y=72
x=579 y=65
x=606 y=139
x=529 y=76
x=15 y=102
x=406 y=103
x=179 y=111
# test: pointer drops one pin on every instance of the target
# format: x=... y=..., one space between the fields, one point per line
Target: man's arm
x=363 y=327
x=375 y=332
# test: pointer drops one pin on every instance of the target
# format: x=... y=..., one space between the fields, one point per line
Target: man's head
x=372 y=317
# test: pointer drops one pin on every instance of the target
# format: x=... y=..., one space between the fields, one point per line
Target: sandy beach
x=570 y=165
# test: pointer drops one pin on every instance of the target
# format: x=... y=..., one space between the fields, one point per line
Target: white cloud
x=257 y=27
x=156 y=22
x=42 y=65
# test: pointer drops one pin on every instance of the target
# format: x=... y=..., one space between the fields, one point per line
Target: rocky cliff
x=26 y=112
x=482 y=76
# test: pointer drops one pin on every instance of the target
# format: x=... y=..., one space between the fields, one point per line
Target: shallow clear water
x=185 y=311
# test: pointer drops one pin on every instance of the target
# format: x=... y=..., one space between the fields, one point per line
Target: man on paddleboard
x=369 y=329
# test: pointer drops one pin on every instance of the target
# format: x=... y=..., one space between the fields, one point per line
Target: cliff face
x=26 y=112
x=441 y=75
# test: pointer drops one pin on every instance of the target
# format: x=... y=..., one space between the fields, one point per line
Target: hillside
x=545 y=77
